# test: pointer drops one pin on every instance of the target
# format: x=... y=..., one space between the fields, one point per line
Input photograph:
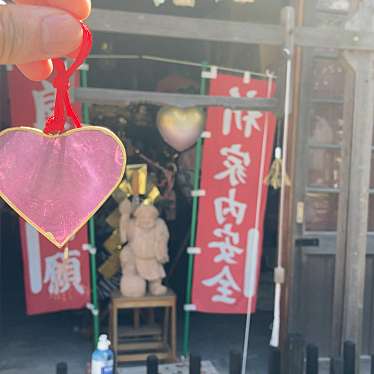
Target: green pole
x=91 y=225
x=195 y=200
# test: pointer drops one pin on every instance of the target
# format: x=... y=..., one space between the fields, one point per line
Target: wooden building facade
x=329 y=244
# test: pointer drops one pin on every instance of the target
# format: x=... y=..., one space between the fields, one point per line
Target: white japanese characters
x=235 y=164
x=225 y=285
x=229 y=211
x=62 y=274
x=228 y=206
x=246 y=122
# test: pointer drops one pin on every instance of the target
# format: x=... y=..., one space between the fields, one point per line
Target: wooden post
x=354 y=194
x=358 y=196
x=341 y=252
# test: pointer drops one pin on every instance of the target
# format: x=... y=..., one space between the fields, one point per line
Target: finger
x=79 y=8
x=37 y=70
x=32 y=33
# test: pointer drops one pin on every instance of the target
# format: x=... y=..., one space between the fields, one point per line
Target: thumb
x=32 y=33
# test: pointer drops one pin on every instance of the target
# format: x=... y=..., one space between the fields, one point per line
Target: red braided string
x=55 y=124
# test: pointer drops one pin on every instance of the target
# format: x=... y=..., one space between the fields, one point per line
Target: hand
x=33 y=31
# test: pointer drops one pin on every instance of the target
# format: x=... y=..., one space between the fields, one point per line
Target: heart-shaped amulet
x=57 y=182
x=180 y=128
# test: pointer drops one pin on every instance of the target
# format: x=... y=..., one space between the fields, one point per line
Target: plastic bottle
x=102 y=358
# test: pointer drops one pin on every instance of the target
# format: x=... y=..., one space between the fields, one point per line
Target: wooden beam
x=319 y=37
x=225 y=31
x=123 y=97
x=184 y=27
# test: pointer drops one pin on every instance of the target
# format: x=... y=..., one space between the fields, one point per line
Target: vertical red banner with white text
x=236 y=159
x=52 y=283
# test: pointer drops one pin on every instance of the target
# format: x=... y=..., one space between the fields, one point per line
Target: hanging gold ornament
x=274 y=178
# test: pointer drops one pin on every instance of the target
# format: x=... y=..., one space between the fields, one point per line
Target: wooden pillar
x=354 y=192
x=341 y=249
x=358 y=194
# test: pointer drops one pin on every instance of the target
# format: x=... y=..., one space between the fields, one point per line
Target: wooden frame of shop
x=333 y=311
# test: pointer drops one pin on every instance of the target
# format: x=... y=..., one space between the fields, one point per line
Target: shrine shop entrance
x=168 y=67
x=135 y=69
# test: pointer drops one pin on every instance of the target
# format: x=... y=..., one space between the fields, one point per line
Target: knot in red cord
x=61 y=82
x=56 y=122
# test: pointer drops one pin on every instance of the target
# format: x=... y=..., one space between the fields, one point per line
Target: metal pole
x=91 y=225
x=196 y=183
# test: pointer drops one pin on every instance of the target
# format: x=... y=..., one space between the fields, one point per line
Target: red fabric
x=56 y=122
x=222 y=269
x=50 y=283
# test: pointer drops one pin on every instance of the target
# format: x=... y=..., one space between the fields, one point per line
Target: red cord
x=55 y=124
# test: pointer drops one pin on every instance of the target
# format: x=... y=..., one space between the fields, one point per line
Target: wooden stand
x=135 y=344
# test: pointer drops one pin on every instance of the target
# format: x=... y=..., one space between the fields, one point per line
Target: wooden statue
x=145 y=236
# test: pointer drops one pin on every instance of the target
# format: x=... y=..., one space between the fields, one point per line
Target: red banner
x=236 y=160
x=52 y=283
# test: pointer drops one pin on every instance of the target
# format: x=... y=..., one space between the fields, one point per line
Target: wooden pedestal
x=136 y=343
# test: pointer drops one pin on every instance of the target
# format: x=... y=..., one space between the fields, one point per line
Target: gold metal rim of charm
x=104 y=130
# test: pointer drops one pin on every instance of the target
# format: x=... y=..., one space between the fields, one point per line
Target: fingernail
x=61 y=34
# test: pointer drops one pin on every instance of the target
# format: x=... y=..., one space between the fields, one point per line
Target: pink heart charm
x=57 y=182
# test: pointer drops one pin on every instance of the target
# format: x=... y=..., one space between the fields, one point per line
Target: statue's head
x=146 y=216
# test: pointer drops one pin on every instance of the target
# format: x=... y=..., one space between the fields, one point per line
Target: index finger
x=79 y=8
